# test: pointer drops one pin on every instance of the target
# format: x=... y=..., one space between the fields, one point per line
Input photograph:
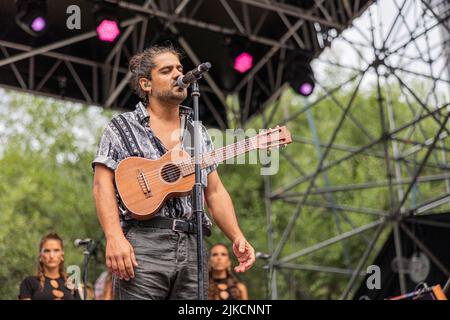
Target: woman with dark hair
x=223 y=284
x=50 y=282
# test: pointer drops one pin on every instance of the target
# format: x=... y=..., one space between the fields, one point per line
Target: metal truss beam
x=425 y=249
x=363 y=261
x=293 y=11
x=326 y=269
x=340 y=207
x=359 y=150
x=332 y=240
x=176 y=19
x=367 y=185
x=406 y=156
x=60 y=44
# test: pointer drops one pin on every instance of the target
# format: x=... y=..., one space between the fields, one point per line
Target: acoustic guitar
x=144 y=184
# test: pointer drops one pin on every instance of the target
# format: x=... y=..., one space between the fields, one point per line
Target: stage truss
x=74 y=65
x=404 y=49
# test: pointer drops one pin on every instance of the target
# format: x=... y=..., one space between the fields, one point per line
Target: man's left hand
x=244 y=253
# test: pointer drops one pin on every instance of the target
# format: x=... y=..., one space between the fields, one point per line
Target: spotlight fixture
x=299 y=73
x=243 y=62
x=240 y=55
x=31 y=16
x=306 y=88
x=106 y=21
x=108 y=30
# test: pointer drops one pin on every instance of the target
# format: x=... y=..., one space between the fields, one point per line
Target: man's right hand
x=120 y=258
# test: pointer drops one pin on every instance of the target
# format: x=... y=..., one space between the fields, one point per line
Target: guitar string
x=237 y=148
x=183 y=165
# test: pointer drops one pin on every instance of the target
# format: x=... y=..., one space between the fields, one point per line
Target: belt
x=168 y=223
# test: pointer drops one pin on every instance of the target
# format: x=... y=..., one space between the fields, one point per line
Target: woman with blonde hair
x=50 y=281
x=223 y=284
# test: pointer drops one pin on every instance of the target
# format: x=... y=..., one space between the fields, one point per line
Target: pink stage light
x=108 y=30
x=38 y=24
x=306 y=89
x=243 y=62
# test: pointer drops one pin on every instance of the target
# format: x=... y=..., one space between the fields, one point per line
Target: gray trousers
x=167 y=266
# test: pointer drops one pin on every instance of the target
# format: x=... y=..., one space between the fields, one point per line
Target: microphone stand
x=266 y=267
x=86 y=254
x=197 y=192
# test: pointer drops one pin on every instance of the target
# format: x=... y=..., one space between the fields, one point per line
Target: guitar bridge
x=144 y=183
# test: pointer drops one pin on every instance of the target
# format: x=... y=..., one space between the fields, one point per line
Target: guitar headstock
x=273 y=138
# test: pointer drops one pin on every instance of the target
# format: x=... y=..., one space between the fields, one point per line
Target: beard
x=174 y=95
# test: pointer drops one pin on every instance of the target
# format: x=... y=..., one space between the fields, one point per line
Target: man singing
x=150 y=260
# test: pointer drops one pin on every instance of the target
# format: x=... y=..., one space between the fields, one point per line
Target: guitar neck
x=219 y=155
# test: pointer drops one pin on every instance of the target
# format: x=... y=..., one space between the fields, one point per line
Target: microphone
x=193 y=75
x=82 y=242
x=260 y=255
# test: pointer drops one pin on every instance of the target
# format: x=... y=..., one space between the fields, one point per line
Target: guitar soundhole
x=170 y=173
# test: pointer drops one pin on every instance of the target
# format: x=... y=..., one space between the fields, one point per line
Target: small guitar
x=144 y=185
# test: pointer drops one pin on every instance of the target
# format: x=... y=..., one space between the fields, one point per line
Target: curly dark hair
x=142 y=63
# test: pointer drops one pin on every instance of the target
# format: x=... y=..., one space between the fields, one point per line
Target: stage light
x=239 y=54
x=301 y=80
x=108 y=30
x=299 y=73
x=306 y=88
x=106 y=21
x=31 y=16
x=38 y=24
x=243 y=62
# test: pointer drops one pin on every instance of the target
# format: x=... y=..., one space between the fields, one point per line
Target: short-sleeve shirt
x=30 y=289
x=129 y=134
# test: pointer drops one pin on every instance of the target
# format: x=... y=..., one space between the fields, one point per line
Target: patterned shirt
x=128 y=135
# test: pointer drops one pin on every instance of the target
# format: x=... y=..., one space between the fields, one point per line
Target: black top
x=54 y=289
x=224 y=290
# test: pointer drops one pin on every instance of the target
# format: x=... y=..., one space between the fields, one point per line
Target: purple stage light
x=38 y=24
x=108 y=30
x=243 y=62
x=305 y=89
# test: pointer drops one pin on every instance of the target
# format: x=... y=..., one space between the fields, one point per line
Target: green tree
x=46 y=182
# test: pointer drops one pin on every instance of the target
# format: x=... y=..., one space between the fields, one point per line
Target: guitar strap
x=127 y=136
x=129 y=141
x=189 y=143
